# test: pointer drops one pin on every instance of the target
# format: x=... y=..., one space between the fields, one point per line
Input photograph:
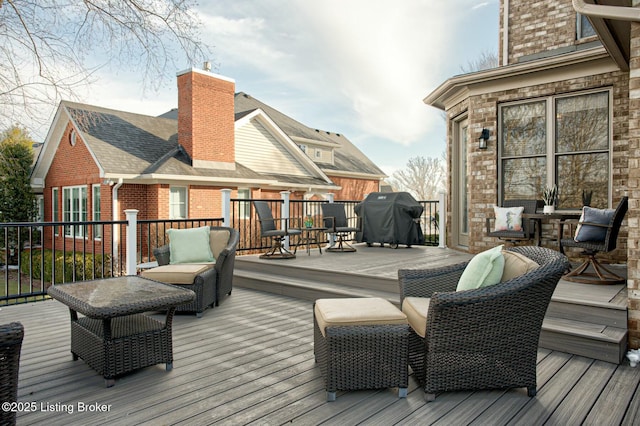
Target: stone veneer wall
x=482 y=112
x=538 y=26
x=633 y=241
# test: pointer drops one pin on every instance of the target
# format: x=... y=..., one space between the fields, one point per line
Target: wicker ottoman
x=361 y=343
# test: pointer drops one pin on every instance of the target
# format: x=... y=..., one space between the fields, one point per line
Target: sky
x=360 y=68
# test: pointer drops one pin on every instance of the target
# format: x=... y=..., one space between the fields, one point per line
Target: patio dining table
x=114 y=336
x=560 y=216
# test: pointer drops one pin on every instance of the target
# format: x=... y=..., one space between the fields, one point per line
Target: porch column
x=132 y=244
x=285 y=195
x=633 y=186
x=226 y=207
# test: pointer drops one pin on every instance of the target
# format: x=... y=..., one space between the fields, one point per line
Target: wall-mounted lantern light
x=482 y=140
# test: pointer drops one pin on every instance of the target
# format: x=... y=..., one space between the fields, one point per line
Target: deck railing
x=34 y=255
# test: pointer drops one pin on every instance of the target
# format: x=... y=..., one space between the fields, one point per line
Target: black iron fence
x=35 y=255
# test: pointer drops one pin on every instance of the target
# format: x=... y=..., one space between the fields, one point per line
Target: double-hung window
x=74 y=209
x=562 y=140
x=178 y=202
x=243 y=206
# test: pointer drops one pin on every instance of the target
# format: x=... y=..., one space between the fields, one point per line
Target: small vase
x=548 y=209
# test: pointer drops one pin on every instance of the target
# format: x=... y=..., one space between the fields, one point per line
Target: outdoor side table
x=361 y=343
x=115 y=336
x=311 y=236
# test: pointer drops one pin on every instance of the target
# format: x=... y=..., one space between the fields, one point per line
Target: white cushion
x=508 y=218
x=356 y=311
x=416 y=310
x=184 y=273
x=516 y=264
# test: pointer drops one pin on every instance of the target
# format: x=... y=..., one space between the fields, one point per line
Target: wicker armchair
x=485 y=338
x=213 y=284
x=10 y=344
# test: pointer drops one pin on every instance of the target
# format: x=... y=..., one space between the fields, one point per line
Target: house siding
x=260 y=151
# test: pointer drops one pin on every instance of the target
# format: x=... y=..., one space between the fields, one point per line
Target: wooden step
x=588 y=321
x=586 y=339
x=305 y=289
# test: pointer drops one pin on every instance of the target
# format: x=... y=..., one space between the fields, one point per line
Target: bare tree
x=46 y=48
x=423 y=177
x=485 y=61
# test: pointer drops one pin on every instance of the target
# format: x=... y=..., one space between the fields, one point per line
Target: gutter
x=620 y=13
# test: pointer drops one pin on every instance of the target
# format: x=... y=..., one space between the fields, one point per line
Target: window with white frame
x=562 y=140
x=55 y=209
x=95 y=211
x=243 y=206
x=178 y=202
x=74 y=209
x=303 y=147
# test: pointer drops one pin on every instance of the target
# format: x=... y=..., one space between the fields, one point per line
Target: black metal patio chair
x=276 y=229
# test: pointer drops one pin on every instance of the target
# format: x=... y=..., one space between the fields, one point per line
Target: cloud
x=372 y=61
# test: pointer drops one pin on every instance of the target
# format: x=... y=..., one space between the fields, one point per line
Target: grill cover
x=390 y=217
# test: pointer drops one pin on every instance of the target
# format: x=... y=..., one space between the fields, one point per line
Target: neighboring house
x=562 y=108
x=97 y=162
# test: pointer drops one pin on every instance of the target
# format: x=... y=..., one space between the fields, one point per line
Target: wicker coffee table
x=115 y=336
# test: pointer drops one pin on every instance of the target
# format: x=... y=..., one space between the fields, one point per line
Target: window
x=318 y=153
x=303 y=147
x=178 y=202
x=74 y=209
x=562 y=140
x=39 y=209
x=583 y=27
x=243 y=206
x=55 y=209
x=97 y=229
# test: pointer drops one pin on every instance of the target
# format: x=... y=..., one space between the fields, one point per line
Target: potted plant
x=549 y=195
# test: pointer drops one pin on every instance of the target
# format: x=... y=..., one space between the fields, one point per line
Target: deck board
x=250 y=361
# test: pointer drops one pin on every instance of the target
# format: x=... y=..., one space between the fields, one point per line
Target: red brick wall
x=74 y=166
x=206 y=117
x=354 y=189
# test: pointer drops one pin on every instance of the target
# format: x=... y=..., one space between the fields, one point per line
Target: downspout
x=620 y=13
x=115 y=216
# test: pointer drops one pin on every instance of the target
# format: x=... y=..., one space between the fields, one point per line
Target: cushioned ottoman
x=361 y=343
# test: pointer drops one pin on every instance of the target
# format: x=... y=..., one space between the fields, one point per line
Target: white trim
x=207 y=73
x=546 y=70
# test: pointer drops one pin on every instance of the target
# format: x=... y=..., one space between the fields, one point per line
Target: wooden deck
x=582 y=319
x=250 y=361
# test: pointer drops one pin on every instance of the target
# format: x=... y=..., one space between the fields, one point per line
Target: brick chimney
x=206 y=118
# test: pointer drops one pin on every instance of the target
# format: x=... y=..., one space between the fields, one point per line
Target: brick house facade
x=215 y=139
x=550 y=56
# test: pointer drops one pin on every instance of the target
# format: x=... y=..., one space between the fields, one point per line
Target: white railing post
x=132 y=244
x=226 y=207
x=285 y=195
x=332 y=237
x=442 y=215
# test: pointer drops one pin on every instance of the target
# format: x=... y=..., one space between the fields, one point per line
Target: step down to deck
x=585 y=339
x=587 y=328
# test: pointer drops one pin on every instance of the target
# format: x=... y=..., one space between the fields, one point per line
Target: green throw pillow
x=483 y=270
x=189 y=245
